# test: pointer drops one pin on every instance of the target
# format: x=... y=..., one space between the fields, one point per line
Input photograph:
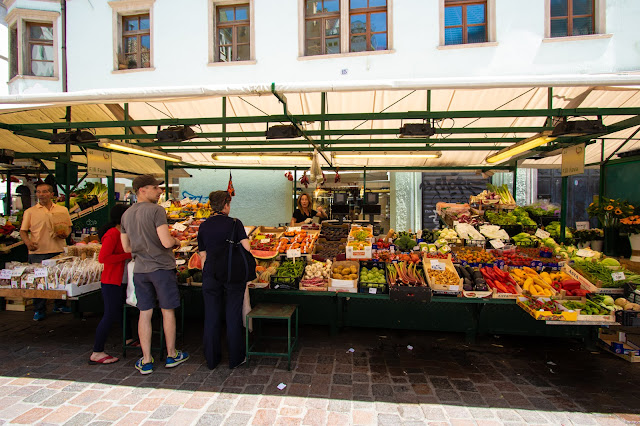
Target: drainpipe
x=63 y=13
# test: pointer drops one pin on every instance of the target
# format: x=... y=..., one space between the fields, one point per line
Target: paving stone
x=32 y=416
x=360 y=417
x=80 y=419
x=40 y=395
x=164 y=412
x=237 y=419
x=210 y=420
x=389 y=419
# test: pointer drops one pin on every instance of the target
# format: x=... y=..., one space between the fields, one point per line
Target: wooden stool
x=273 y=311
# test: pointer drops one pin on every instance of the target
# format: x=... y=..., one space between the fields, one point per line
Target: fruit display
x=586 y=308
x=541 y=305
x=328 y=249
x=626 y=305
x=263 y=244
x=532 y=283
x=360 y=233
x=287 y=275
x=474 y=256
x=473 y=279
x=178 y=210
x=265 y=269
x=186 y=231
x=343 y=271
x=331 y=232
x=408 y=274
x=561 y=281
x=302 y=240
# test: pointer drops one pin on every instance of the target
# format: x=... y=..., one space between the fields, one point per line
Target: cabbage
x=610 y=262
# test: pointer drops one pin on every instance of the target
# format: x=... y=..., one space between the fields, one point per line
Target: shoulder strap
x=232 y=244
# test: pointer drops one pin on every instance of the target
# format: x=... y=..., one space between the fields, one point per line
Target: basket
x=632 y=293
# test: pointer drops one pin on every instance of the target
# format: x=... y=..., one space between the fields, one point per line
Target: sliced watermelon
x=264 y=254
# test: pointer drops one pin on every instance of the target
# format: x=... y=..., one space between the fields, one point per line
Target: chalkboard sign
x=448 y=188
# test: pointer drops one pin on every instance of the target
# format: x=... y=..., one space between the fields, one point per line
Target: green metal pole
x=167 y=190
x=8 y=199
x=67 y=169
x=515 y=181
x=111 y=191
x=224 y=115
x=563 y=208
x=323 y=110
x=364 y=185
x=126 y=118
x=295 y=181
x=602 y=180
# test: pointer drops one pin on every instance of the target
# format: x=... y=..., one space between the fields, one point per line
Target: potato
x=353 y=276
x=337 y=276
x=354 y=269
x=337 y=270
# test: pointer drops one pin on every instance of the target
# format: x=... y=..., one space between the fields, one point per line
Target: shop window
x=465 y=22
x=367 y=25
x=132 y=34
x=572 y=17
x=32 y=43
x=233 y=33
x=322 y=27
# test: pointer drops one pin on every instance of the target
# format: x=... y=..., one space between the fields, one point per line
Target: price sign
x=5 y=274
x=265 y=240
x=15 y=234
x=581 y=226
x=166 y=204
x=456 y=223
x=542 y=234
x=585 y=253
x=373 y=290
x=497 y=244
x=180 y=227
x=436 y=265
x=40 y=272
x=29 y=279
x=3 y=221
x=185 y=249
x=294 y=229
x=618 y=276
x=18 y=271
x=12 y=219
x=454 y=287
x=185 y=201
x=180 y=262
x=293 y=253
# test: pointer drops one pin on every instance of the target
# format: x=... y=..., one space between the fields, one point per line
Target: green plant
x=610 y=211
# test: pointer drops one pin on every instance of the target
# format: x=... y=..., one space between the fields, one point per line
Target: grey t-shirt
x=139 y=222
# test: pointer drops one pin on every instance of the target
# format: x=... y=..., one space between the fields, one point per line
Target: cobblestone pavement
x=45 y=379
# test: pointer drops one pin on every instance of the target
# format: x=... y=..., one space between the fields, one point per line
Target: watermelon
x=195 y=262
x=264 y=254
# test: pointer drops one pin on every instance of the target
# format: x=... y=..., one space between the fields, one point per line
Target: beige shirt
x=42 y=222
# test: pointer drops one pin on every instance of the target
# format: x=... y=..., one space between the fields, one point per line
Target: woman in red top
x=114 y=287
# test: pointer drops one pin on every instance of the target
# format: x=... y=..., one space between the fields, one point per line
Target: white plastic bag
x=131 y=289
x=246 y=308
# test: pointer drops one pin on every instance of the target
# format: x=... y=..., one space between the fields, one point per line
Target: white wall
x=181 y=31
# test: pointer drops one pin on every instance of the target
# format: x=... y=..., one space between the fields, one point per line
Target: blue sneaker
x=39 y=316
x=144 y=368
x=62 y=310
x=177 y=359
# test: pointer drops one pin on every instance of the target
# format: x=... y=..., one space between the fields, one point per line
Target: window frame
x=122 y=9
x=599 y=23
x=18 y=20
x=368 y=33
x=213 y=32
x=138 y=34
x=345 y=39
x=490 y=32
x=323 y=17
x=465 y=25
x=234 y=25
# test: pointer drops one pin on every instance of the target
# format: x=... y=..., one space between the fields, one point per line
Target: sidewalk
x=45 y=379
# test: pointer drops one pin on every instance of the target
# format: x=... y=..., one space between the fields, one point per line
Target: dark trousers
x=114 y=297
x=212 y=291
x=40 y=305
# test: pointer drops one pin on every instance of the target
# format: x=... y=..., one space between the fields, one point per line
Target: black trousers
x=213 y=292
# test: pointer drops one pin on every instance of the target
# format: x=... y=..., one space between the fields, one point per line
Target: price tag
x=18 y=271
x=456 y=223
x=265 y=240
x=581 y=226
x=454 y=287
x=185 y=249
x=5 y=274
x=166 y=204
x=180 y=227
x=585 y=253
x=293 y=253
x=416 y=248
x=618 y=276
x=40 y=272
x=436 y=265
x=373 y=290
x=12 y=219
x=3 y=221
x=15 y=234
x=185 y=201
x=497 y=244
x=542 y=234
x=29 y=279
x=294 y=229
x=180 y=262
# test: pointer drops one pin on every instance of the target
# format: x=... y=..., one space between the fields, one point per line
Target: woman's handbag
x=234 y=264
x=131 y=288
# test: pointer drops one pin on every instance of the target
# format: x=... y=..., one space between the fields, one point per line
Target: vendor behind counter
x=304 y=213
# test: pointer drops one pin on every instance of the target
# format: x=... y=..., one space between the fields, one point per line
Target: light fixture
x=434 y=154
x=417 y=130
x=76 y=137
x=290 y=158
x=286 y=131
x=520 y=147
x=131 y=149
x=7 y=156
x=578 y=127
x=175 y=134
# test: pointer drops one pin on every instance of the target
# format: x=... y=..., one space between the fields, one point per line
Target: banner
x=98 y=162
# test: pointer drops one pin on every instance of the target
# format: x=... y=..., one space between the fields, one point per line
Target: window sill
x=232 y=63
x=467 y=45
x=346 y=55
x=576 y=38
x=32 y=77
x=127 y=71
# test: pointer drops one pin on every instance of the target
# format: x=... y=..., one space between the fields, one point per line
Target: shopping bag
x=132 y=300
x=246 y=308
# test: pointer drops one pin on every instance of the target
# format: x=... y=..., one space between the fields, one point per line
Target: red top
x=113 y=256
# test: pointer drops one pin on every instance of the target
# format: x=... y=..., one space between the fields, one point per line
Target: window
x=233 y=33
x=32 y=43
x=132 y=22
x=40 y=49
x=136 y=41
x=367 y=25
x=572 y=17
x=465 y=22
x=322 y=27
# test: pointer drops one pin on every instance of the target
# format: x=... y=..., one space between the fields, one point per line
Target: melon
x=264 y=254
x=195 y=262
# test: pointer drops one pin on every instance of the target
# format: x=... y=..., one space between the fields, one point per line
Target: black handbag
x=234 y=264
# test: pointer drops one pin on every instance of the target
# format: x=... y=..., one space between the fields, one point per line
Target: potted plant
x=610 y=212
x=631 y=225
x=132 y=64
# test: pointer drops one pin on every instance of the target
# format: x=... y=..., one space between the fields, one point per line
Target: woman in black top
x=304 y=213
x=212 y=241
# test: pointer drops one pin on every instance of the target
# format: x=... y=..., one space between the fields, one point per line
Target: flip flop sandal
x=104 y=360
x=134 y=344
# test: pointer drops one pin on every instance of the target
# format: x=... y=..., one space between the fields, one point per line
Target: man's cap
x=144 y=180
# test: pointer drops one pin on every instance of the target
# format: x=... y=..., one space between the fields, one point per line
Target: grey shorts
x=160 y=285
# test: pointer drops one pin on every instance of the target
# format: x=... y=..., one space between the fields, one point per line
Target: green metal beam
x=558 y=112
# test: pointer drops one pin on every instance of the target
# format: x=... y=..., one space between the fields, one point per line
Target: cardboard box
x=442 y=288
x=565 y=315
x=365 y=254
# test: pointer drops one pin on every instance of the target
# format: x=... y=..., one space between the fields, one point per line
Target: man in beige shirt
x=45 y=228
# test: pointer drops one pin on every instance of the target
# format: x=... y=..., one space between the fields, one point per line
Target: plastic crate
x=512 y=229
x=402 y=293
x=287 y=283
x=628 y=318
x=380 y=288
x=631 y=291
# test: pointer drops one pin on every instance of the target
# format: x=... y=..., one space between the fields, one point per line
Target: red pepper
x=499 y=272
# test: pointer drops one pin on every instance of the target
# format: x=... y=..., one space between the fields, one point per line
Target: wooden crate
x=18 y=304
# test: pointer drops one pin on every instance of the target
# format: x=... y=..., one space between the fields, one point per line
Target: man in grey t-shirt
x=145 y=234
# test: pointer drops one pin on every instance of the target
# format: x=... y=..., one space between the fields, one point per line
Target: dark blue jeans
x=40 y=305
x=114 y=297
